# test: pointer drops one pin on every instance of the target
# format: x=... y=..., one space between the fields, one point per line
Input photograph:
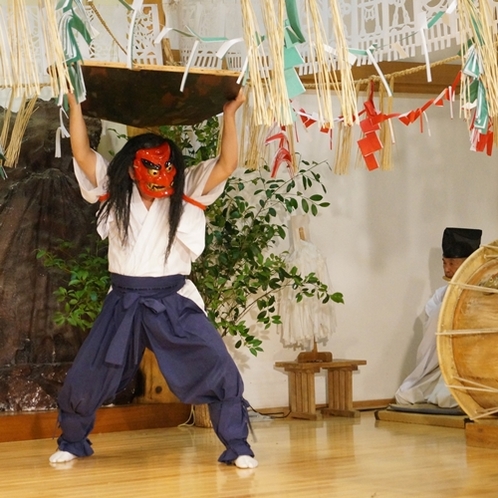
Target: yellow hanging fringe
x=477 y=25
x=347 y=94
x=324 y=78
x=21 y=70
x=257 y=65
x=343 y=149
x=22 y=119
x=278 y=99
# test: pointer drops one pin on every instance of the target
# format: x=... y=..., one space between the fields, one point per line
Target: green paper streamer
x=292 y=57
x=435 y=19
x=292 y=15
x=293 y=83
x=472 y=91
x=472 y=66
x=481 y=121
x=206 y=39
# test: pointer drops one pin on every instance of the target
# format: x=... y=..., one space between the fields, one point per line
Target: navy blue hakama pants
x=148 y=312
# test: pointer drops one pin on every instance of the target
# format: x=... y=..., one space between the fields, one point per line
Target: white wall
x=382 y=240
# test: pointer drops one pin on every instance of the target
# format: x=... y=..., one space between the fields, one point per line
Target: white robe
x=310 y=319
x=426 y=384
x=143 y=255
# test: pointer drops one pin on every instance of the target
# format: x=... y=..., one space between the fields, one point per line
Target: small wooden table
x=339 y=387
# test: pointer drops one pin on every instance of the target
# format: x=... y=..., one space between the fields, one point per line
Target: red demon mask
x=154 y=173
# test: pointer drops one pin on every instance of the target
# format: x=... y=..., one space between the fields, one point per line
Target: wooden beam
x=410 y=77
x=20 y=426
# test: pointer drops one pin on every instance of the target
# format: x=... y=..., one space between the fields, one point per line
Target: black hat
x=460 y=242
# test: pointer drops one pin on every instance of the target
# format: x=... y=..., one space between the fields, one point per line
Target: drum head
x=467 y=339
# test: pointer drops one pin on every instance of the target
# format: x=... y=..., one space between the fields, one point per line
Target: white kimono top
x=143 y=254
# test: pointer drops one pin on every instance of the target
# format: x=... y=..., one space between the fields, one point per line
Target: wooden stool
x=301 y=388
x=339 y=387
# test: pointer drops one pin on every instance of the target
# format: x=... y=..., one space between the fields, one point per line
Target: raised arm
x=229 y=149
x=80 y=143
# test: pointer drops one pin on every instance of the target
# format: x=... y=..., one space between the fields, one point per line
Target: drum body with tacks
x=467 y=339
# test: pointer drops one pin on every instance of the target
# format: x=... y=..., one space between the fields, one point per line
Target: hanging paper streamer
x=307 y=119
x=422 y=28
x=61 y=131
x=482 y=142
x=283 y=154
x=136 y=7
x=292 y=59
x=369 y=53
x=394 y=41
x=54 y=51
x=225 y=47
x=193 y=52
x=370 y=143
x=73 y=19
x=386 y=128
x=371 y=118
x=276 y=50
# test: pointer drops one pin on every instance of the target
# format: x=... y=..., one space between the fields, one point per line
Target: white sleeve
x=90 y=193
x=436 y=300
x=195 y=181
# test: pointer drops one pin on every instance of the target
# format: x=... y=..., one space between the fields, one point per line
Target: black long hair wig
x=120 y=185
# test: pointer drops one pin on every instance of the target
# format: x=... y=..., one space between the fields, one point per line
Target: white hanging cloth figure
x=309 y=320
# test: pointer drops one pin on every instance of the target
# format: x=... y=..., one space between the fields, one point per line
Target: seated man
x=426 y=384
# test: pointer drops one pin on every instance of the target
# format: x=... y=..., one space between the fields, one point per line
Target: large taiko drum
x=467 y=338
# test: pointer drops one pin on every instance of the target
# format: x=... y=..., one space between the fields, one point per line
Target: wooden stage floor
x=332 y=457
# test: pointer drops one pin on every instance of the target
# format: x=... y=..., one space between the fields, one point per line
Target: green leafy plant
x=239 y=275
x=198 y=142
x=88 y=280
